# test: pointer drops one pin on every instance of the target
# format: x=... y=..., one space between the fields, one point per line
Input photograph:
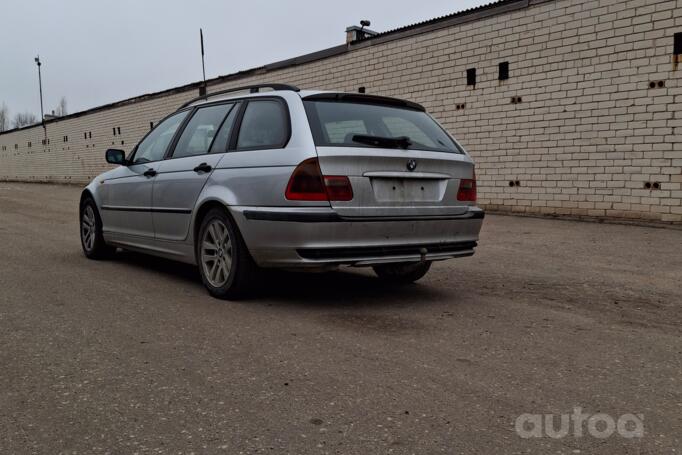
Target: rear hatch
x=399 y=161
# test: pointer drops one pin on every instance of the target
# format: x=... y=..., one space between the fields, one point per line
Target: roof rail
x=251 y=88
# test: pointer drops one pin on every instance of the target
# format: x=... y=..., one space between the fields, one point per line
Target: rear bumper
x=313 y=237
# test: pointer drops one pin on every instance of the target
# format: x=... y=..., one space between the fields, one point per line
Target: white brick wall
x=587 y=136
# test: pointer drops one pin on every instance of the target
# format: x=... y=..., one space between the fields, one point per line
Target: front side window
x=153 y=147
x=198 y=135
x=264 y=125
x=355 y=124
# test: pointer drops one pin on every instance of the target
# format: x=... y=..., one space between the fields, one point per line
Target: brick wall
x=586 y=137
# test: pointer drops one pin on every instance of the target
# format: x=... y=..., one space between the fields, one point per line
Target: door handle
x=203 y=167
x=149 y=173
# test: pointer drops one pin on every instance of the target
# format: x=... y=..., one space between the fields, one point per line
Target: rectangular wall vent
x=471 y=76
x=504 y=71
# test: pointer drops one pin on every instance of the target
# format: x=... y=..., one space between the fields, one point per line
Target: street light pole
x=40 y=85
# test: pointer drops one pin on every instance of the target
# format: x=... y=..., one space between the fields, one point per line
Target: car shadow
x=175 y=270
x=343 y=287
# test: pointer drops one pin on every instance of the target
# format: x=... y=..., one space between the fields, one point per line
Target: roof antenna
x=202 y=89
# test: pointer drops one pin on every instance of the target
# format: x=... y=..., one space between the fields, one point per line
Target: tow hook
x=423 y=252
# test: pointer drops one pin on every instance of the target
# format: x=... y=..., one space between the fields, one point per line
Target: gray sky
x=98 y=51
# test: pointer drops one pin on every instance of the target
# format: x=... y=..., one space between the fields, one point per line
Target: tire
x=92 y=240
x=402 y=273
x=227 y=269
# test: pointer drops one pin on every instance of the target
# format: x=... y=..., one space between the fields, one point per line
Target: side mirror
x=116 y=156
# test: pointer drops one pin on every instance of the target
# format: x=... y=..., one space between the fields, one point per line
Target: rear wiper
x=378 y=141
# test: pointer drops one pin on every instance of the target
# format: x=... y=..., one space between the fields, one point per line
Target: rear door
x=400 y=162
x=183 y=175
x=262 y=154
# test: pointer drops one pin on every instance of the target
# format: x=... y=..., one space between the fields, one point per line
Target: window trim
x=238 y=106
x=234 y=136
x=240 y=103
x=173 y=145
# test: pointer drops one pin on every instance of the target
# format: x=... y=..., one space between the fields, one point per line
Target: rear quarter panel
x=259 y=178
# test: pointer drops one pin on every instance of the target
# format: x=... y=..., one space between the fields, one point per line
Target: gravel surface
x=132 y=355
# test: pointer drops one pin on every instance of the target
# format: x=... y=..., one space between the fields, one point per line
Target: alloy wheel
x=88 y=228
x=216 y=253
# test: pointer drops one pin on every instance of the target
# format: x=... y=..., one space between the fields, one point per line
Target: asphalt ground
x=131 y=355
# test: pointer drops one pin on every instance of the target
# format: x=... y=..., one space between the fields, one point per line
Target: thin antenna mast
x=203 y=66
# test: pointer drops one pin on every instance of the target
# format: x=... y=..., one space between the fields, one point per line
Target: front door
x=127 y=201
x=183 y=175
x=127 y=196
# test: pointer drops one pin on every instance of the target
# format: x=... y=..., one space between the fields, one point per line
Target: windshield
x=352 y=124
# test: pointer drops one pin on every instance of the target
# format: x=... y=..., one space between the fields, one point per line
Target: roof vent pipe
x=355 y=33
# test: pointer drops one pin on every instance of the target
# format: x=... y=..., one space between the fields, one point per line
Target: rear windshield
x=352 y=124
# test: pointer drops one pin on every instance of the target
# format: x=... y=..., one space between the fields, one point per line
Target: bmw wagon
x=273 y=176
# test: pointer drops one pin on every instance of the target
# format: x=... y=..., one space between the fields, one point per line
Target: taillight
x=467 y=189
x=338 y=188
x=307 y=184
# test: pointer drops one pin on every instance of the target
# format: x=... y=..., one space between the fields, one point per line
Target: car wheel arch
x=201 y=212
x=85 y=195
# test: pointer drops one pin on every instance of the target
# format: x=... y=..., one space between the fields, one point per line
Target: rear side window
x=198 y=135
x=223 y=136
x=349 y=124
x=265 y=125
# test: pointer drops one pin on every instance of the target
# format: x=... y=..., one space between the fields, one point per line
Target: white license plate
x=408 y=190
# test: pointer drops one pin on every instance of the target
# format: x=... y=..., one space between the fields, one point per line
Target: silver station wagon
x=273 y=176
